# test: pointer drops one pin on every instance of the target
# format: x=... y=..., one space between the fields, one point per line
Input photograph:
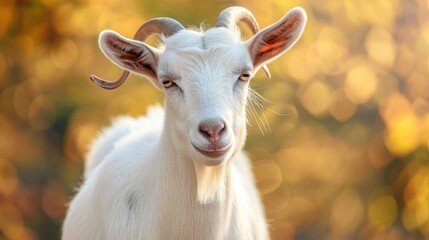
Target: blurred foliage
x=347 y=157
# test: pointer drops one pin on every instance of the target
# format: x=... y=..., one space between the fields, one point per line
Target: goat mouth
x=212 y=153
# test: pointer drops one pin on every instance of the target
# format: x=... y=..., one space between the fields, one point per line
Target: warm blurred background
x=347 y=156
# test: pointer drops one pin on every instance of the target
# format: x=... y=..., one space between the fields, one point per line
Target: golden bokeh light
x=378 y=12
x=382 y=211
x=416 y=214
x=403 y=134
x=360 y=84
x=8 y=177
x=331 y=44
x=65 y=55
x=79 y=140
x=380 y=47
x=341 y=108
x=11 y=221
x=316 y=98
x=267 y=175
x=296 y=62
x=405 y=60
x=41 y=113
x=6 y=11
x=347 y=211
x=54 y=201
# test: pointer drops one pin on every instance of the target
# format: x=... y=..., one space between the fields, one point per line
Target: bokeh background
x=348 y=108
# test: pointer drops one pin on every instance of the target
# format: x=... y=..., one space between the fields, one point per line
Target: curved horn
x=230 y=17
x=165 y=26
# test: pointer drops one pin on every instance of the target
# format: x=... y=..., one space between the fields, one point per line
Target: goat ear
x=128 y=54
x=276 y=39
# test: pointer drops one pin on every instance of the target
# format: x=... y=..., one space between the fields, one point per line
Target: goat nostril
x=212 y=128
x=204 y=132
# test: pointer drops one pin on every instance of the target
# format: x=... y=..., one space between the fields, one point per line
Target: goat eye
x=244 y=77
x=168 y=83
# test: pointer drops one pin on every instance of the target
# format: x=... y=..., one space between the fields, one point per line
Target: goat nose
x=212 y=129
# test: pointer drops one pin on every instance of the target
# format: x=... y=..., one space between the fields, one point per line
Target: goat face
x=205 y=78
x=204 y=75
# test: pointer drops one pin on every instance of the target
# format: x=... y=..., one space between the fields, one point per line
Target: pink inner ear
x=130 y=55
x=274 y=48
x=278 y=39
x=123 y=50
x=274 y=40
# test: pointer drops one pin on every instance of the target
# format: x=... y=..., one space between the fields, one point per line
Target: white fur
x=137 y=194
x=144 y=179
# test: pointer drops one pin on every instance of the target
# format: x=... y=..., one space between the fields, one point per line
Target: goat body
x=179 y=172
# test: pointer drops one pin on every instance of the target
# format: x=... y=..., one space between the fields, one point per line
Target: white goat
x=180 y=173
